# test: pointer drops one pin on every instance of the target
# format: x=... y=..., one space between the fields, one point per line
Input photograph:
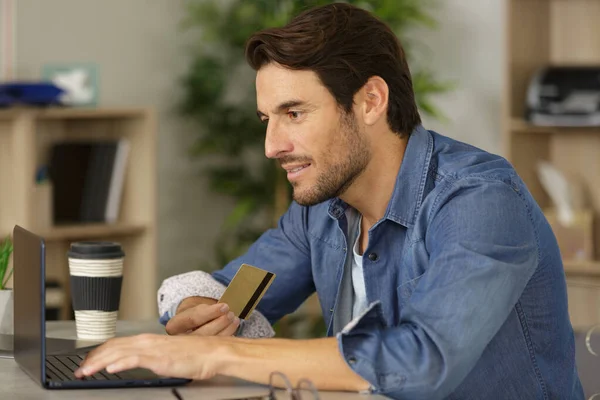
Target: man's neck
x=371 y=192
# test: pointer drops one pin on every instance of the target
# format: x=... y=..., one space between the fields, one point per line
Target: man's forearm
x=318 y=360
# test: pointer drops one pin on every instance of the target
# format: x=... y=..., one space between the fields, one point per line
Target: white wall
x=467 y=48
x=141 y=54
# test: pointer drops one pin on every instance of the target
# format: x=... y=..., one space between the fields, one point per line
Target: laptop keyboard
x=62 y=368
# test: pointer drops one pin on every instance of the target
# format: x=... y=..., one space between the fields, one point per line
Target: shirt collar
x=411 y=179
x=410 y=182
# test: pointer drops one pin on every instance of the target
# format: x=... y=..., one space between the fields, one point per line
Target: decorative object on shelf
x=570 y=219
x=565 y=96
x=78 y=81
x=219 y=95
x=6 y=295
x=575 y=238
x=29 y=93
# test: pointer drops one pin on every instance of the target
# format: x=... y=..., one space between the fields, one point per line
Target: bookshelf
x=542 y=33
x=26 y=136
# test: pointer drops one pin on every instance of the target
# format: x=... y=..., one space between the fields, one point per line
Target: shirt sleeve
x=285 y=252
x=175 y=289
x=482 y=252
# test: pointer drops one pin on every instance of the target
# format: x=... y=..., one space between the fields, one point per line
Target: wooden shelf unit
x=92 y=231
x=544 y=33
x=26 y=135
x=590 y=269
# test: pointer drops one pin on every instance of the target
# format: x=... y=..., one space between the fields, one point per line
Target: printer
x=564 y=96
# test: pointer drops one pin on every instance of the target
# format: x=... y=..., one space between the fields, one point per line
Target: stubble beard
x=338 y=177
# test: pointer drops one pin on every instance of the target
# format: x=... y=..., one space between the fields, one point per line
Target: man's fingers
x=214 y=328
x=231 y=329
x=112 y=351
x=193 y=301
x=195 y=317
x=97 y=362
x=132 y=361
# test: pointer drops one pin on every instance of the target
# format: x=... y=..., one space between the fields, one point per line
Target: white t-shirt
x=358 y=279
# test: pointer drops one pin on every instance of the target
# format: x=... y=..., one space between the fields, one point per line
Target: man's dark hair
x=345 y=46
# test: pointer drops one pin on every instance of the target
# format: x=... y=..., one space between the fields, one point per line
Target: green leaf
x=6 y=249
x=243 y=209
x=5 y=281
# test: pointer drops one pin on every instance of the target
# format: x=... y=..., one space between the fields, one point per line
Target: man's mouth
x=297 y=168
x=294 y=171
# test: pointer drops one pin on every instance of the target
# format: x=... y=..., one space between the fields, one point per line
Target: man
x=436 y=271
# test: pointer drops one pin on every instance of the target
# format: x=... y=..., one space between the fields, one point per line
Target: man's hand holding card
x=209 y=317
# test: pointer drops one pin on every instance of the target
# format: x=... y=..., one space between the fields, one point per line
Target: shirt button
x=373 y=257
x=331 y=310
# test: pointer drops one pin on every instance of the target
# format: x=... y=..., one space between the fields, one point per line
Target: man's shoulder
x=455 y=160
x=458 y=168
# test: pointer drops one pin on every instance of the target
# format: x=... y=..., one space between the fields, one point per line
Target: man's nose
x=277 y=142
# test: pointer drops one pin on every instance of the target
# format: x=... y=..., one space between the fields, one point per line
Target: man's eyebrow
x=282 y=107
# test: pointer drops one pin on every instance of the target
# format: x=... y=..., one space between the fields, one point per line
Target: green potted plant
x=6 y=295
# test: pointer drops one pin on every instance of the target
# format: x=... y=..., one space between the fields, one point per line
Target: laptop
x=55 y=371
x=53 y=345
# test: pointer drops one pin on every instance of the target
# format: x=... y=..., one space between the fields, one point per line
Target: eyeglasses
x=588 y=340
x=304 y=390
x=588 y=344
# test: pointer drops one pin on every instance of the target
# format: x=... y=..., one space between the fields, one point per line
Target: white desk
x=16 y=385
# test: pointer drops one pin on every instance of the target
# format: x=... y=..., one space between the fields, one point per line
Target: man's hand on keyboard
x=174 y=356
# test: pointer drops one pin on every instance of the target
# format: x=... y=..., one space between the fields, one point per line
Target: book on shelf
x=88 y=179
x=117 y=181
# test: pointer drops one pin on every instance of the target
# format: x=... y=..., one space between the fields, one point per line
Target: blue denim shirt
x=463 y=273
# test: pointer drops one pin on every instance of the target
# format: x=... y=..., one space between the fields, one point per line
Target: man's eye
x=294 y=114
x=265 y=121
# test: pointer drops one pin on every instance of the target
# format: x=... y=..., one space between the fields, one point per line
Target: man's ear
x=374 y=98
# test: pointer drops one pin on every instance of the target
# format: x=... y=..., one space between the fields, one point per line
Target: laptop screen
x=29 y=292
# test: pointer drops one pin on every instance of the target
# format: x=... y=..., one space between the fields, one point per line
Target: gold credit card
x=246 y=289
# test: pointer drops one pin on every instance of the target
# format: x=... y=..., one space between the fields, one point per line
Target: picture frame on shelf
x=80 y=81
